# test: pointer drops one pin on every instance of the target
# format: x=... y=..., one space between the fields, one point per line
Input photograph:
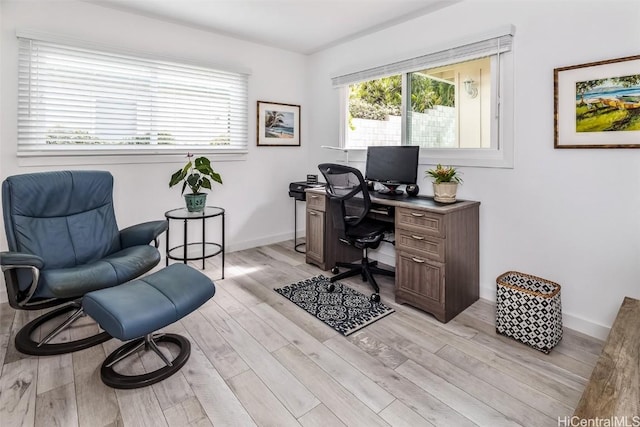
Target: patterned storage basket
x=529 y=310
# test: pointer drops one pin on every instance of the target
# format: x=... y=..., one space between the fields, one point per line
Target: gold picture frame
x=278 y=125
x=597 y=105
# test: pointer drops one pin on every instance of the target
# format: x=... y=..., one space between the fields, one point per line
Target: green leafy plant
x=444 y=174
x=195 y=174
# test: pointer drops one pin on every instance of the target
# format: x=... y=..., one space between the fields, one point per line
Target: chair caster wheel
x=331 y=287
x=335 y=270
x=375 y=298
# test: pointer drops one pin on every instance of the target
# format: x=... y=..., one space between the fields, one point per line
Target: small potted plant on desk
x=196 y=175
x=445 y=183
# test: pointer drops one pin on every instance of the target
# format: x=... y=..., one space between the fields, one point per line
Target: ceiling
x=303 y=26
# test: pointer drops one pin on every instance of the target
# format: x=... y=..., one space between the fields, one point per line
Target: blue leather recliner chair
x=63 y=243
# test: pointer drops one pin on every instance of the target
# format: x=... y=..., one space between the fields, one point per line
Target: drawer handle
x=314 y=197
x=313 y=213
x=418 y=260
x=416 y=214
x=413 y=236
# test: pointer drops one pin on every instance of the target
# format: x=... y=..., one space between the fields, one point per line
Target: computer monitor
x=392 y=166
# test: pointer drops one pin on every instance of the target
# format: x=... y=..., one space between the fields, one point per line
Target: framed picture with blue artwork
x=278 y=124
x=597 y=105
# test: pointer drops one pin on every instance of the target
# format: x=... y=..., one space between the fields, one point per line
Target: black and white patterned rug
x=345 y=310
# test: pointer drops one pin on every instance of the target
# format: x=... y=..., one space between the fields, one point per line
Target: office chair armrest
x=20 y=259
x=142 y=234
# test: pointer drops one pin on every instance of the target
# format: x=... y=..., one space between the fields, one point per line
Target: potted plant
x=196 y=174
x=445 y=183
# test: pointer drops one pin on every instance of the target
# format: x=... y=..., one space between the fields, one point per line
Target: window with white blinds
x=72 y=97
x=474 y=50
x=455 y=102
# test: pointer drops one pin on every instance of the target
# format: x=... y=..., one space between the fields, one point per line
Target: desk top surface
x=420 y=202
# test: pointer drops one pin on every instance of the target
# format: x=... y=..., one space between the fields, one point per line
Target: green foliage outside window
x=380 y=98
x=376 y=99
x=427 y=93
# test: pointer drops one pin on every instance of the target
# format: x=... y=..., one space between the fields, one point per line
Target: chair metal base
x=366 y=269
x=116 y=380
x=25 y=344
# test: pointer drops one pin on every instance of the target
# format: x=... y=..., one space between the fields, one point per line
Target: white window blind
x=474 y=50
x=71 y=96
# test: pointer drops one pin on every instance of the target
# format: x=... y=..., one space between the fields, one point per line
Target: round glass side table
x=194 y=251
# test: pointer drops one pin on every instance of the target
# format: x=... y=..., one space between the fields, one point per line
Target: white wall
x=570 y=216
x=254 y=193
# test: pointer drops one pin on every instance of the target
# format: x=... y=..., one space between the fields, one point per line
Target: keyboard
x=382 y=210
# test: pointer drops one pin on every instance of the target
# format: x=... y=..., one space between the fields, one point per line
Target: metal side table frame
x=208 y=249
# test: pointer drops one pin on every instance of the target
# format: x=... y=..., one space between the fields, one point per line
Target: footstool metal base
x=117 y=380
x=136 y=310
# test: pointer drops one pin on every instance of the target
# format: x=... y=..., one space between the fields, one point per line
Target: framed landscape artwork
x=597 y=105
x=278 y=124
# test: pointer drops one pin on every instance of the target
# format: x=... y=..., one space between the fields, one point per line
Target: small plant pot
x=195 y=202
x=445 y=192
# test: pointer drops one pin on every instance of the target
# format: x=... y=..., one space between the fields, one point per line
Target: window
x=78 y=99
x=451 y=103
x=442 y=114
x=375 y=112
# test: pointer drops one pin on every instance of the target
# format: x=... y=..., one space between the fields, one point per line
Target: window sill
x=484 y=158
x=469 y=157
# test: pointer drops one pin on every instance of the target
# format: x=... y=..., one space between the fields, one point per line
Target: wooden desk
x=437 y=250
x=614 y=387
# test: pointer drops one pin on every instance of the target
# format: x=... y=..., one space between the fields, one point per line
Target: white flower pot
x=445 y=192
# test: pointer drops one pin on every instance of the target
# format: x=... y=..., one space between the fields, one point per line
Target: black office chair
x=349 y=204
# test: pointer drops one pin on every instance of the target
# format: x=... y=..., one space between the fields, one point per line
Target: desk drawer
x=420 y=280
x=316 y=202
x=422 y=221
x=419 y=243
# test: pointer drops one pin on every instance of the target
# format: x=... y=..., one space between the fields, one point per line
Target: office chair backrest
x=64 y=217
x=349 y=200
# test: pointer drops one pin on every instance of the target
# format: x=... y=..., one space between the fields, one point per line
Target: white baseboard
x=585 y=326
x=569 y=320
x=267 y=240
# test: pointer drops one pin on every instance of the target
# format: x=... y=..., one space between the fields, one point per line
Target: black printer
x=296 y=189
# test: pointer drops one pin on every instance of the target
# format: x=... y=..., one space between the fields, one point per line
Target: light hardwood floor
x=257 y=359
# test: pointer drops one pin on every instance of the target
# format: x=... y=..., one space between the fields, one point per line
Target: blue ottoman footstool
x=134 y=310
